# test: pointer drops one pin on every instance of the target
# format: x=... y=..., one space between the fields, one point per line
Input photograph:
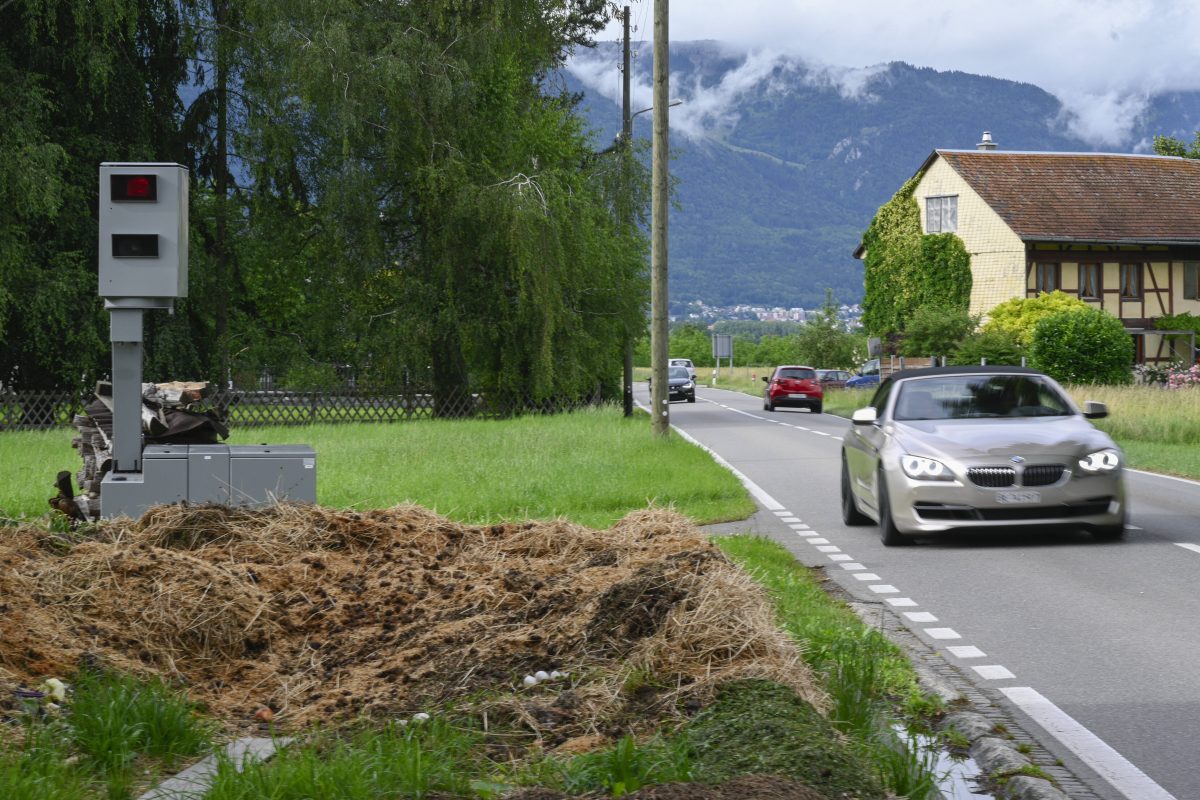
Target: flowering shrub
x=1184 y=378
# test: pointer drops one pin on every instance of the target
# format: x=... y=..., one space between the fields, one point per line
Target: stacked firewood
x=172 y=413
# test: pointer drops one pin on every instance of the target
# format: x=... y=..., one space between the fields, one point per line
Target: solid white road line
x=1195 y=548
x=1107 y=762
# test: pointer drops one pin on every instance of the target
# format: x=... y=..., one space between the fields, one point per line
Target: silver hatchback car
x=983 y=448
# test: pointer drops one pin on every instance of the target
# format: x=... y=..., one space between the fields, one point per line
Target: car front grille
x=1041 y=474
x=1003 y=477
x=992 y=477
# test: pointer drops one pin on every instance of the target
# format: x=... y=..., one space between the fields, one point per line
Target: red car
x=793 y=386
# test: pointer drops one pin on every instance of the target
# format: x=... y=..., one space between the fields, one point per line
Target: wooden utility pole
x=626 y=147
x=660 y=415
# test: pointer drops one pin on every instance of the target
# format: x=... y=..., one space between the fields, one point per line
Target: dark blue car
x=866 y=377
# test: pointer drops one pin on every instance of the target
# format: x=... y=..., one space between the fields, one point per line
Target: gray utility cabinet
x=233 y=475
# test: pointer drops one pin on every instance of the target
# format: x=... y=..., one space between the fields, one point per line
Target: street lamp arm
x=651 y=108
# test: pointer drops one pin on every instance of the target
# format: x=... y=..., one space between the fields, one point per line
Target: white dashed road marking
x=942 y=633
x=1195 y=548
x=994 y=672
x=966 y=651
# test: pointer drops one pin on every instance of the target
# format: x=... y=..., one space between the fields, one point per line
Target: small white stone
x=420 y=716
x=530 y=681
x=542 y=675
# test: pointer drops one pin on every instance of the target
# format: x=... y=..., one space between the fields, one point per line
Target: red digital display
x=135 y=188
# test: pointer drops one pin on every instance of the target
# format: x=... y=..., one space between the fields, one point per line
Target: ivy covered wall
x=906 y=269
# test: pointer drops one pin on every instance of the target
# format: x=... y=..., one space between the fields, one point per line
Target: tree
x=1087 y=345
x=824 y=342
x=996 y=346
x=461 y=228
x=937 y=329
x=1019 y=316
x=80 y=84
x=1170 y=146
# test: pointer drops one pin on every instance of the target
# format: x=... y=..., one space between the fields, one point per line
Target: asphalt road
x=1094 y=645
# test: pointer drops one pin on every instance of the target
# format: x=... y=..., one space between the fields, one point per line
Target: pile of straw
x=324 y=615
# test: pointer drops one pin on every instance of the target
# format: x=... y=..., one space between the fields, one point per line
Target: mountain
x=780 y=165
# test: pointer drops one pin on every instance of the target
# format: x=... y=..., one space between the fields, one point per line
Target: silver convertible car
x=979 y=448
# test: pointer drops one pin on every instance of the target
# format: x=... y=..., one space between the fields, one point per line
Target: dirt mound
x=325 y=615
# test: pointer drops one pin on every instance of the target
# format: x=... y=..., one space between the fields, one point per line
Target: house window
x=1089 y=281
x=1131 y=281
x=1047 y=278
x=941 y=214
x=1191 y=280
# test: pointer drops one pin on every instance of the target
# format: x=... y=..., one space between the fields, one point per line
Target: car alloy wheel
x=889 y=534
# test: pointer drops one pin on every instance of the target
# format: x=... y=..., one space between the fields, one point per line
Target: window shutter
x=1191 y=280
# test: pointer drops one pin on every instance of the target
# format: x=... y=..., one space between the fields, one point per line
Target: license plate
x=1018 y=497
x=798 y=396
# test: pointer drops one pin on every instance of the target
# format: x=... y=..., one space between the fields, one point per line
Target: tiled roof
x=1092 y=197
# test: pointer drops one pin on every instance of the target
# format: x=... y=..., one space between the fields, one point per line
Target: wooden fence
x=255 y=409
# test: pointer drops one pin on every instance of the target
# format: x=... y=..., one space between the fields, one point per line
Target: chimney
x=986 y=143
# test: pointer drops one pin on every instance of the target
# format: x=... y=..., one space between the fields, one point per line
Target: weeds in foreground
x=108 y=730
x=414 y=761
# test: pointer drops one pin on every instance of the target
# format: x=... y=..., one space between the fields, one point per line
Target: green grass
x=591 y=466
x=870 y=681
x=412 y=762
x=108 y=735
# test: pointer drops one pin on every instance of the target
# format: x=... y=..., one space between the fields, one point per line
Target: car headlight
x=688 y=385
x=1101 y=461
x=925 y=469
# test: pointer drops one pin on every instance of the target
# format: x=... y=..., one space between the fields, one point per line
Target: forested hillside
x=780 y=166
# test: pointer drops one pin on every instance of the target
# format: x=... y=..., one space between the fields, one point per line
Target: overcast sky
x=1102 y=58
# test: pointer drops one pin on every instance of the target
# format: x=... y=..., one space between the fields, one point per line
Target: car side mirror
x=1094 y=409
x=766 y=379
x=865 y=416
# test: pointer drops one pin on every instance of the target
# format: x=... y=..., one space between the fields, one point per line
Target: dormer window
x=941 y=214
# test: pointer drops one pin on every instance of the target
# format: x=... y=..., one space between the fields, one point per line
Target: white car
x=683 y=362
x=980 y=448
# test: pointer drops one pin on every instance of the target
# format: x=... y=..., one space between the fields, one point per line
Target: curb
x=193 y=783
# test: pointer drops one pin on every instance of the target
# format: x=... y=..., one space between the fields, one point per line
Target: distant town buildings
x=698 y=311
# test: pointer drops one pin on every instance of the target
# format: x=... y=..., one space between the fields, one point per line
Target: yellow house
x=1121 y=232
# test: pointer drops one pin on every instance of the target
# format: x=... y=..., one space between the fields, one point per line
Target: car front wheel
x=889 y=534
x=1109 y=533
x=850 y=513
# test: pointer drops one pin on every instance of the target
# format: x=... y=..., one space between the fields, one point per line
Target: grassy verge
x=589 y=466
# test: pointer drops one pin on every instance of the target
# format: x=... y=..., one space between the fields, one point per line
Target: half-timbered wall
x=1135 y=285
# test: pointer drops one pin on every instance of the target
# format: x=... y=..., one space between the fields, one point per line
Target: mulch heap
x=325 y=615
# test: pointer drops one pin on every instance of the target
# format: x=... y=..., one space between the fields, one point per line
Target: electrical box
x=143 y=230
x=232 y=475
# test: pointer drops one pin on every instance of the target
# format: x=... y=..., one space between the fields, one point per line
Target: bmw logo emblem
x=1017 y=460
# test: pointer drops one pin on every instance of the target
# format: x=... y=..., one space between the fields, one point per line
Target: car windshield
x=796 y=373
x=678 y=372
x=969 y=396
